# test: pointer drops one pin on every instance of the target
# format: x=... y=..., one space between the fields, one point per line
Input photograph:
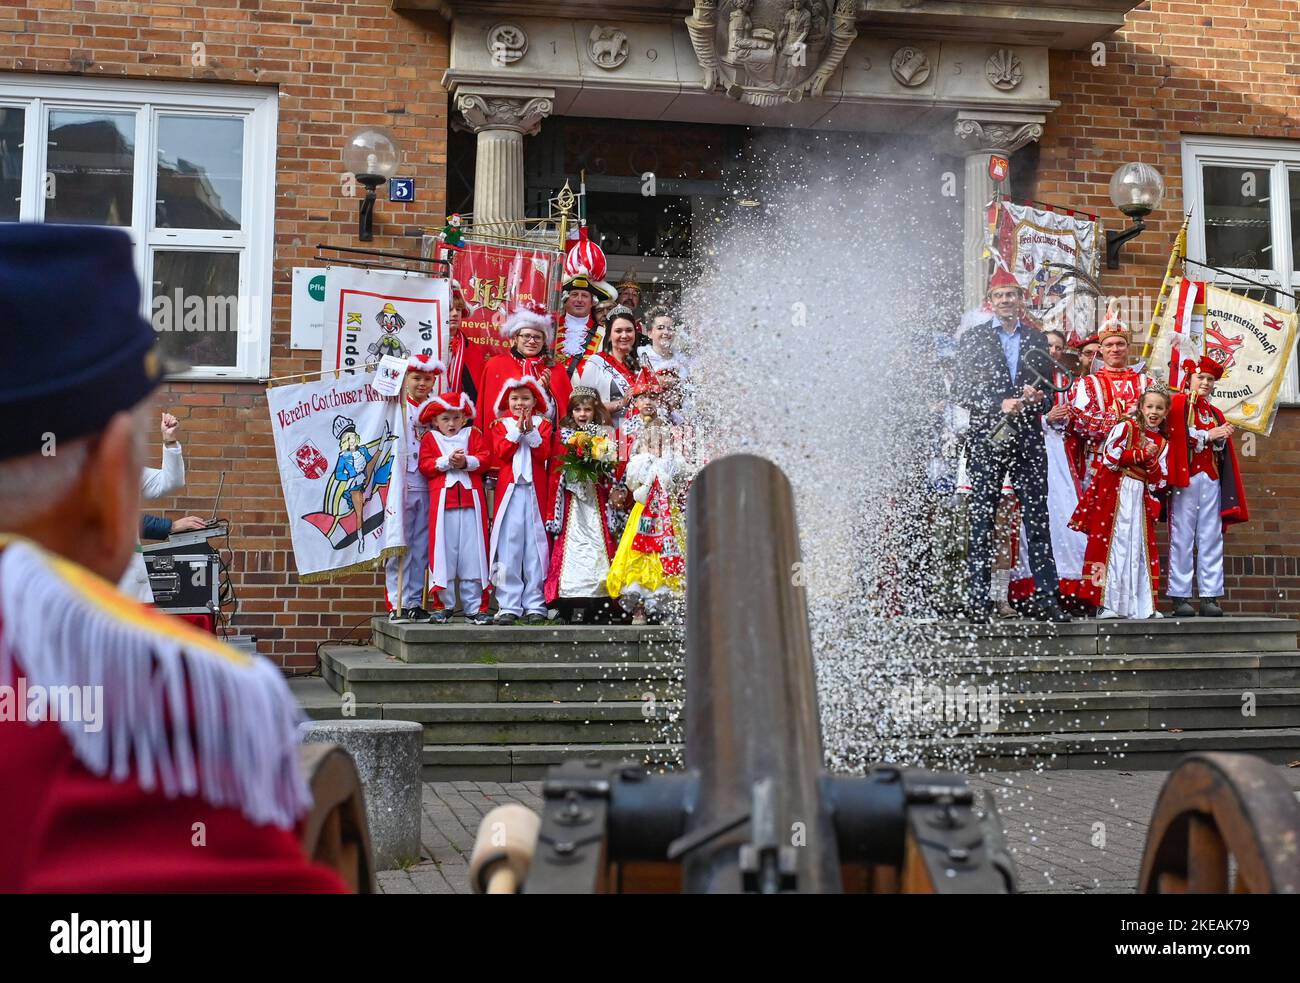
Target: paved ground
x=1069 y=831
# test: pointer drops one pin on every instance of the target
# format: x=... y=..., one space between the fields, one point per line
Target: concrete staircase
x=504 y=704
x=1123 y=694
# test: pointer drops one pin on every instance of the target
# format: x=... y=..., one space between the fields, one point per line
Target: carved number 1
x=553 y=51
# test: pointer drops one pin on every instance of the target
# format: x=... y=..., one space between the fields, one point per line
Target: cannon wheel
x=1216 y=807
x=335 y=832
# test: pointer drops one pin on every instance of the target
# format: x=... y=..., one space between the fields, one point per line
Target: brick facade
x=1222 y=69
x=336 y=66
x=1176 y=68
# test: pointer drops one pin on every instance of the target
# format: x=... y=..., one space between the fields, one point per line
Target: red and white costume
x=584 y=269
x=458 y=536
x=1098 y=402
x=412 y=564
x=1118 y=512
x=1064 y=486
x=519 y=552
x=1207 y=493
x=507 y=365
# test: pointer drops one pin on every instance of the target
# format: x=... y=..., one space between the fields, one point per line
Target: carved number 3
x=652 y=54
x=866 y=64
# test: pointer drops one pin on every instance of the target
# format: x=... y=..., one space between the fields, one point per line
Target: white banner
x=1253 y=341
x=1028 y=241
x=307 y=308
x=336 y=442
x=373 y=313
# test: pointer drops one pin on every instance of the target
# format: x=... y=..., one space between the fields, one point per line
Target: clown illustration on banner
x=1028 y=241
x=373 y=313
x=337 y=447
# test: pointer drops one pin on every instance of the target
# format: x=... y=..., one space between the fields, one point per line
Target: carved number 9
x=652 y=54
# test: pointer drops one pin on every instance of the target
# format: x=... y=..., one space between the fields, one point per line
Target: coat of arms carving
x=765 y=52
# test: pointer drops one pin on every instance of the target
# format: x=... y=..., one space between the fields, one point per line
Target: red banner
x=496 y=279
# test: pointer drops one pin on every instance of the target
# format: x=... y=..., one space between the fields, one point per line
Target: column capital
x=996 y=132
x=519 y=110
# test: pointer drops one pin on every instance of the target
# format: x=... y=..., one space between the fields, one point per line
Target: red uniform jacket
x=443 y=496
x=1232 y=496
x=503 y=453
x=505 y=366
x=64 y=829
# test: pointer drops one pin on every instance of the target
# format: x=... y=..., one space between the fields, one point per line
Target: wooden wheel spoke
x=1215 y=809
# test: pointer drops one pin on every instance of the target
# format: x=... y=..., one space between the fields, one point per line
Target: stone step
x=538 y=723
x=1081 y=673
x=1094 y=637
x=1137 y=710
x=530 y=762
x=373 y=677
x=491 y=644
x=1127 y=750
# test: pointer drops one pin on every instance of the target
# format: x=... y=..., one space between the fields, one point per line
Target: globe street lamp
x=1137 y=190
x=372 y=155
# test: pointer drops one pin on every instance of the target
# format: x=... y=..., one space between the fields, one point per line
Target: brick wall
x=1224 y=69
x=337 y=65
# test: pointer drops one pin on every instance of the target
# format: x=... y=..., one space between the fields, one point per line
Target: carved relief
x=607 y=47
x=910 y=66
x=765 y=52
x=523 y=115
x=507 y=43
x=1004 y=70
x=996 y=135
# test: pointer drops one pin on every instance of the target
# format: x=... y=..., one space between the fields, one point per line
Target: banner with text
x=373 y=313
x=336 y=448
x=1025 y=240
x=495 y=280
x=1253 y=341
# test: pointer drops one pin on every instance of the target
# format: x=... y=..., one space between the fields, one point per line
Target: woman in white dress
x=1063 y=480
x=612 y=370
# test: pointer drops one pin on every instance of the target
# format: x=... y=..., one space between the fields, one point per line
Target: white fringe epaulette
x=65 y=626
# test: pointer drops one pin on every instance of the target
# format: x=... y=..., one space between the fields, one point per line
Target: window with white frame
x=188 y=170
x=1244 y=196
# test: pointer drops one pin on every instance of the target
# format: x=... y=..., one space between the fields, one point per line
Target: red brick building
x=246 y=105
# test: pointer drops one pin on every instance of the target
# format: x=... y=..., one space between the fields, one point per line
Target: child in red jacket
x=520 y=553
x=454 y=456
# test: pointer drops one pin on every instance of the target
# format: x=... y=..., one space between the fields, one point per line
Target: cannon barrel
x=752 y=810
x=752 y=728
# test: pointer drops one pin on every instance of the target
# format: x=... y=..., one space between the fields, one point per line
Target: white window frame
x=1278 y=157
x=37 y=95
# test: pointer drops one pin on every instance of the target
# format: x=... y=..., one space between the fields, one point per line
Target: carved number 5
x=956 y=67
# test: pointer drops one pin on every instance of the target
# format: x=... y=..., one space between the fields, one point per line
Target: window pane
x=196 y=305
x=11 y=163
x=91 y=168
x=1238 y=229
x=200 y=172
x=1293 y=180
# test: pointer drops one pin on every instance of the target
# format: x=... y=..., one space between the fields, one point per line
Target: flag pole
x=1179 y=252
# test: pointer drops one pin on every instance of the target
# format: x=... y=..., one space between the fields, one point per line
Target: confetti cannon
x=753 y=810
x=1040 y=366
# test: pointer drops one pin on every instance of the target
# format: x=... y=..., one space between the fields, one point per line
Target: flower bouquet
x=587 y=457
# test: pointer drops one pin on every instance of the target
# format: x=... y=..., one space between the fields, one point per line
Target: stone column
x=981 y=135
x=502 y=116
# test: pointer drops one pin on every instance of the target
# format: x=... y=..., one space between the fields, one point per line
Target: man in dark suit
x=993 y=383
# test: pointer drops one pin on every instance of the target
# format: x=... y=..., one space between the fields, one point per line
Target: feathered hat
x=527 y=382
x=425 y=363
x=1112 y=325
x=585 y=267
x=1210 y=366
x=530 y=315
x=446 y=403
